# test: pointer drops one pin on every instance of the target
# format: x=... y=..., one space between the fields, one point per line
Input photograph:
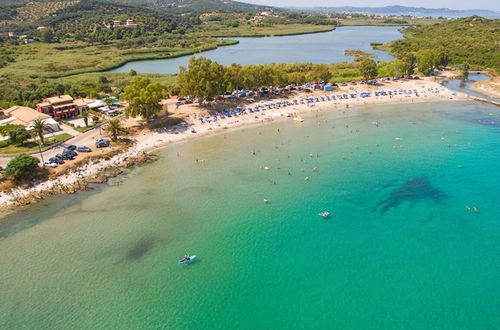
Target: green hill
x=472 y=40
x=91 y=20
x=80 y=17
x=197 y=6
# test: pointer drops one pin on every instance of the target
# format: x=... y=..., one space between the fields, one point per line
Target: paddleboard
x=191 y=258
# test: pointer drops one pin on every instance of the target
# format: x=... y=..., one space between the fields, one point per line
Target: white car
x=50 y=164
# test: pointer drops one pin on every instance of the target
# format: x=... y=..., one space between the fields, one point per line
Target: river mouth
x=467 y=86
x=325 y=47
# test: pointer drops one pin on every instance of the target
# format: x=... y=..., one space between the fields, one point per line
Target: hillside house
x=130 y=23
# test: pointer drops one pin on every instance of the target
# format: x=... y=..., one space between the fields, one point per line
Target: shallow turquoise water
x=400 y=250
x=324 y=47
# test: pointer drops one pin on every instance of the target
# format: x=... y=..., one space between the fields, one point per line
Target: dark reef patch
x=140 y=248
x=412 y=191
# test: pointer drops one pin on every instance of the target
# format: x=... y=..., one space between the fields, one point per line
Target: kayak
x=182 y=261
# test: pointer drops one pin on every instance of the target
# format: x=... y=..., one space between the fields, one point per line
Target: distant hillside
x=197 y=6
x=90 y=20
x=405 y=11
x=172 y=6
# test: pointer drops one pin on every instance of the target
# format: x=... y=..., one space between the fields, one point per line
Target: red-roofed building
x=61 y=106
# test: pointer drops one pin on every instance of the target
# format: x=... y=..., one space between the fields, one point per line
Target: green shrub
x=21 y=166
x=18 y=135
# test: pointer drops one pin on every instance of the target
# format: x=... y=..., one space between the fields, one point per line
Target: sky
x=452 y=4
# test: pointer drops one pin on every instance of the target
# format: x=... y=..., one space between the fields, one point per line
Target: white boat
x=298 y=118
x=324 y=215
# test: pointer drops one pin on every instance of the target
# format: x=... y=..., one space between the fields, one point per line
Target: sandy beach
x=488 y=87
x=146 y=141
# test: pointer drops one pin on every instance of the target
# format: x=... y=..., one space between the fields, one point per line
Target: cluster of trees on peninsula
x=472 y=40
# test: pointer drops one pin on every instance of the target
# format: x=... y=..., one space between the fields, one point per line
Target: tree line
x=204 y=78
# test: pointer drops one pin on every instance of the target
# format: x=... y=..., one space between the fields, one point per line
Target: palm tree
x=39 y=127
x=85 y=116
x=114 y=129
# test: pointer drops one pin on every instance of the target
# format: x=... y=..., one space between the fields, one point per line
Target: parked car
x=70 y=152
x=50 y=164
x=101 y=143
x=56 y=160
x=83 y=149
x=65 y=155
x=69 y=146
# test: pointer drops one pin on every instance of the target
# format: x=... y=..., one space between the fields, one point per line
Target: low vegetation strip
x=8 y=148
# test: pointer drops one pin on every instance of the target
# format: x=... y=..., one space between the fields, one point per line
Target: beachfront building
x=85 y=104
x=61 y=106
x=26 y=117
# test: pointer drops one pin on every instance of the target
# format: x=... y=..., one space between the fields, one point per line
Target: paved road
x=82 y=139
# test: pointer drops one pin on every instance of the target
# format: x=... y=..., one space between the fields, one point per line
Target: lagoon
x=400 y=251
x=324 y=47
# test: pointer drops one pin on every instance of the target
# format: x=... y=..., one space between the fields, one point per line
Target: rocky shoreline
x=70 y=183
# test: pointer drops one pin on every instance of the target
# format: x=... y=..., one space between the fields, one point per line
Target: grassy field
x=117 y=79
x=30 y=146
x=249 y=30
x=40 y=60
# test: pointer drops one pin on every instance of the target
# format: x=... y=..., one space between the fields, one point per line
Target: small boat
x=298 y=118
x=324 y=215
x=265 y=200
x=186 y=261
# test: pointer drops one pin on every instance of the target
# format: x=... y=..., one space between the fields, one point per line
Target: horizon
x=438 y=4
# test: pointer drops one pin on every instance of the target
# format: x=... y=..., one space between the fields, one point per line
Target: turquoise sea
x=400 y=250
